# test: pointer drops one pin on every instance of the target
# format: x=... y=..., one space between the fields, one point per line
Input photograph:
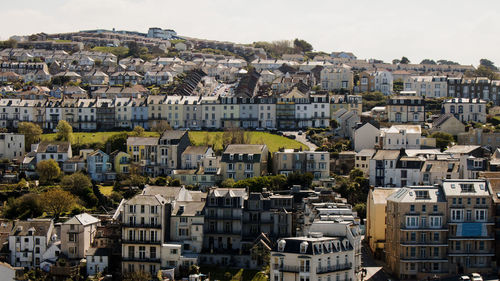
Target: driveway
x=302 y=139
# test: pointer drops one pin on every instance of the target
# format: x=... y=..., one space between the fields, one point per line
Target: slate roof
x=40 y=227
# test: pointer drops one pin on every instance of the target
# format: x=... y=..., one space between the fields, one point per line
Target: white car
x=464 y=278
x=476 y=277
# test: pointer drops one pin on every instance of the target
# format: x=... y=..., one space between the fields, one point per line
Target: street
x=302 y=139
x=373 y=267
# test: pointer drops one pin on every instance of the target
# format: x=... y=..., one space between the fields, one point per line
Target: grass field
x=273 y=142
x=106 y=189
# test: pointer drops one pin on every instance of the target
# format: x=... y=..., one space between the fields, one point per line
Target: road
x=373 y=268
x=302 y=139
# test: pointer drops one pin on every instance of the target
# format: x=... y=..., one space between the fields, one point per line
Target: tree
x=304 y=180
x=64 y=131
x=447 y=62
x=396 y=61
x=161 y=127
x=138 y=131
x=405 y=60
x=80 y=185
x=117 y=142
x=31 y=132
x=427 y=61
x=360 y=208
x=24 y=207
x=227 y=183
x=302 y=45
x=137 y=276
x=487 y=63
x=48 y=170
x=442 y=139
x=57 y=201
x=484 y=71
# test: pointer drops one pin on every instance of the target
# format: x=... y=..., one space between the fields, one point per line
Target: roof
x=463 y=149
x=462 y=187
x=191 y=208
x=173 y=134
x=443 y=118
x=83 y=219
x=40 y=227
x=144 y=199
x=411 y=194
x=366 y=152
x=167 y=192
x=62 y=146
x=386 y=154
x=232 y=192
x=293 y=245
x=142 y=141
x=245 y=148
x=380 y=194
x=196 y=149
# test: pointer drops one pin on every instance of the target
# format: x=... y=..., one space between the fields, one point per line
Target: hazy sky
x=463 y=31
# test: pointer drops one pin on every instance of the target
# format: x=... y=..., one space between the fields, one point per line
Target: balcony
x=479 y=253
x=139 y=259
x=149 y=242
x=142 y=225
x=333 y=268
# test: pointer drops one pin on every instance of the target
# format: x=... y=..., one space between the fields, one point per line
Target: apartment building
x=416 y=233
x=471 y=225
x=383 y=81
x=11 y=146
x=222 y=228
x=59 y=151
x=406 y=108
x=479 y=137
x=241 y=161
x=401 y=136
x=77 y=236
x=313 y=258
x=287 y=161
x=427 y=86
x=32 y=242
x=336 y=78
x=194 y=156
x=144 y=230
x=474 y=88
x=186 y=225
x=466 y=109
x=171 y=145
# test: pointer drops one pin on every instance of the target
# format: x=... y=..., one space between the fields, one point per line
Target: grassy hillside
x=273 y=142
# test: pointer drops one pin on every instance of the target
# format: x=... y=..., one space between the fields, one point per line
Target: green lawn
x=84 y=138
x=106 y=189
x=273 y=142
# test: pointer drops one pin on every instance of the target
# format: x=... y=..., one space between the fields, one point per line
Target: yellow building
x=121 y=162
x=375 y=218
x=241 y=161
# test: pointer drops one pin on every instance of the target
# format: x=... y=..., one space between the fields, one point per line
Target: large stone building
x=242 y=161
x=406 y=108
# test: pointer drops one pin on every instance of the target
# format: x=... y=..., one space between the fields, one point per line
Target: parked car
x=464 y=278
x=300 y=133
x=476 y=277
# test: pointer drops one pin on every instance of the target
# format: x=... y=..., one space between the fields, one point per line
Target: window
x=436 y=236
x=435 y=221
x=481 y=215
x=412 y=221
x=457 y=214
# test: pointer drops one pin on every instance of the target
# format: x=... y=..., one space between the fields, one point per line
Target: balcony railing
x=333 y=268
x=142 y=225
x=139 y=259
x=137 y=241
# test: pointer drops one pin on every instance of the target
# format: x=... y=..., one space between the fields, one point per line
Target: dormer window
x=303 y=247
x=240 y=157
x=281 y=245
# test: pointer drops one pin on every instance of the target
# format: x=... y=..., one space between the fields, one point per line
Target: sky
x=462 y=31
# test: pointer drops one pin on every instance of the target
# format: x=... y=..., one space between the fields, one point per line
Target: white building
x=313 y=258
x=466 y=110
x=11 y=146
x=366 y=136
x=97 y=260
x=401 y=136
x=383 y=81
x=29 y=241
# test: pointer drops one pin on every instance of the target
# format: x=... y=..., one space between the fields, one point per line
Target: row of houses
x=293 y=110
